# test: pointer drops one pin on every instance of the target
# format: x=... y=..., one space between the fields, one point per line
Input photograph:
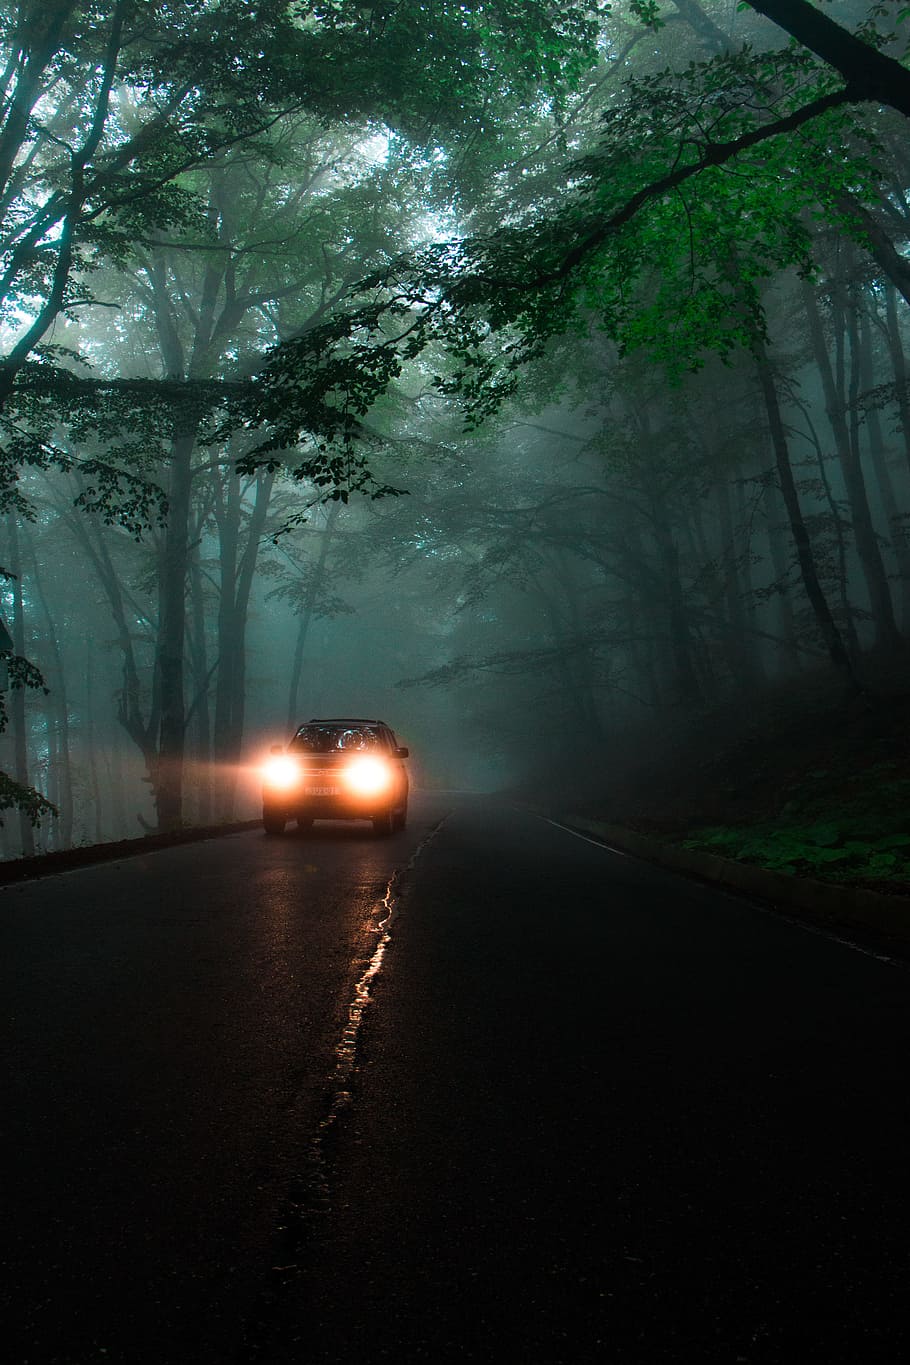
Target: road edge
x=822 y=903
x=65 y=859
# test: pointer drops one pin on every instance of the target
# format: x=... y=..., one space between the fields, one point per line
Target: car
x=337 y=769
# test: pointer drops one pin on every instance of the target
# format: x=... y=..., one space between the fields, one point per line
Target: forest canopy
x=258 y=260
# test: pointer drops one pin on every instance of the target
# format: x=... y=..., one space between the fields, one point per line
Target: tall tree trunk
x=817 y=600
x=172 y=636
x=899 y=365
x=237 y=575
x=781 y=568
x=582 y=662
x=887 y=634
x=228 y=519
x=584 y=718
x=306 y=615
x=695 y=16
x=201 y=714
x=739 y=644
x=840 y=523
x=52 y=783
x=130 y=711
x=59 y=710
x=687 y=686
x=17 y=701
x=869 y=73
x=125 y=827
x=245 y=577
x=91 y=753
x=746 y=590
x=861 y=343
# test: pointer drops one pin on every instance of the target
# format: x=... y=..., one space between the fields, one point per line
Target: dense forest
x=532 y=375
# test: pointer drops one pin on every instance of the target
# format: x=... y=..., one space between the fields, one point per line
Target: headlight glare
x=281 y=772
x=367 y=776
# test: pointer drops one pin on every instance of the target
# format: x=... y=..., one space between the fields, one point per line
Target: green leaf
x=892 y=841
x=825 y=835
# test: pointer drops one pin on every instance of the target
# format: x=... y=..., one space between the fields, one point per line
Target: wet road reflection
x=173 y=1025
x=603 y=1113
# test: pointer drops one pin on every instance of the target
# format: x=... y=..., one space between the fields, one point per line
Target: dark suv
x=337 y=769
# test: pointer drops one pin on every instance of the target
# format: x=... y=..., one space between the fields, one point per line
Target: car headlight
x=367 y=776
x=281 y=772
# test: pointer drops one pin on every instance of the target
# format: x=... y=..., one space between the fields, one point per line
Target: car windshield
x=330 y=739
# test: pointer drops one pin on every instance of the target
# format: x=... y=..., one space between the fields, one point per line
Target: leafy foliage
x=113 y=434
x=661 y=237
x=13 y=795
x=436 y=74
x=112 y=110
x=864 y=836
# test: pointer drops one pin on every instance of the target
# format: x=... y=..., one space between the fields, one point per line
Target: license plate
x=321 y=791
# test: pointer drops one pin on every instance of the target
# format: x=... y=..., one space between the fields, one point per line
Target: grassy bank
x=800 y=781
x=853 y=830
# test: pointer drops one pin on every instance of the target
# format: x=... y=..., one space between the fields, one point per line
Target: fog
x=546 y=547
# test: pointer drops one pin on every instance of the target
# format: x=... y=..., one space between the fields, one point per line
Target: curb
x=820 y=902
x=65 y=859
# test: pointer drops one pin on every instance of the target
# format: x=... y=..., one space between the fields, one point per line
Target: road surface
x=481 y=1090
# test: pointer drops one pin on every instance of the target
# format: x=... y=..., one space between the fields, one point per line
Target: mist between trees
x=533 y=377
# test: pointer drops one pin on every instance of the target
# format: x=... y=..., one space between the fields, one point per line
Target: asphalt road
x=167 y=1044
x=593 y=1112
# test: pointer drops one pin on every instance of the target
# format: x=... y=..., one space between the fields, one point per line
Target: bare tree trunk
x=91 y=754
x=826 y=623
x=202 y=725
x=237 y=574
x=61 y=768
x=713 y=37
x=899 y=365
x=172 y=636
x=872 y=74
x=839 y=525
x=861 y=345
x=130 y=712
x=687 y=686
x=306 y=615
x=52 y=786
x=227 y=514
x=739 y=644
x=125 y=827
x=781 y=568
x=887 y=634
x=17 y=700
x=571 y=687
x=581 y=664
x=746 y=594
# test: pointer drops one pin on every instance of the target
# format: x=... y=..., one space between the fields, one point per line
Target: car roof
x=342 y=720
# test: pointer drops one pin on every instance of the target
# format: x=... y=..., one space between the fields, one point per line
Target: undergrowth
x=853 y=832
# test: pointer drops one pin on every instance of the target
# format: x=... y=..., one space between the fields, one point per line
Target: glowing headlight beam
x=281 y=772
x=367 y=776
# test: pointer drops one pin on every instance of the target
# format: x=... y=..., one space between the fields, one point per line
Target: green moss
x=856 y=831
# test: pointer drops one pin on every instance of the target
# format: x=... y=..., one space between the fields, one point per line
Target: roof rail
x=343 y=720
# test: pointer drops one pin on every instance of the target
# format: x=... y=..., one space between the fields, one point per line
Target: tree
x=494 y=301
x=18 y=674
x=106 y=111
x=109 y=118
x=638 y=224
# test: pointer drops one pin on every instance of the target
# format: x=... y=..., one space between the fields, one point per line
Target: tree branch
x=871 y=74
x=715 y=154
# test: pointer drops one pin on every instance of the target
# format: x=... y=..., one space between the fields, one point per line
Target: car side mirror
x=277 y=749
x=403 y=751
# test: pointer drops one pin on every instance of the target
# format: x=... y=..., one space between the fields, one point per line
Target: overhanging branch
x=871 y=74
